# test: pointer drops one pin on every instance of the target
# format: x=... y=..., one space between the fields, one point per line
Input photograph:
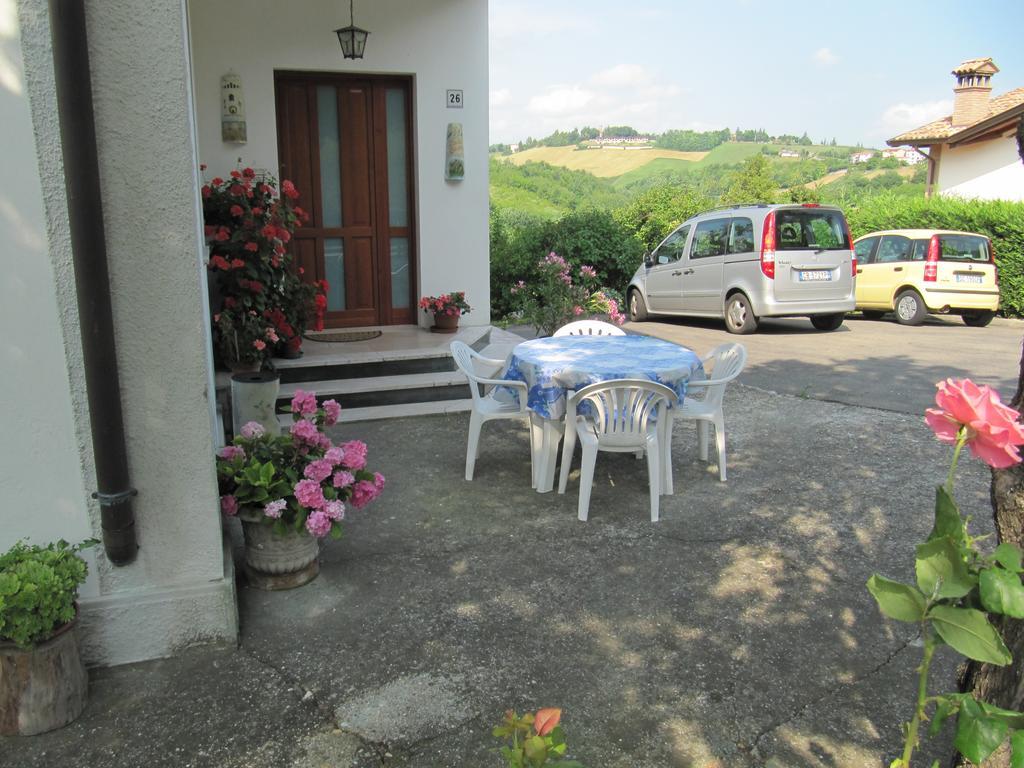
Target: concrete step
x=375 y=413
x=374 y=391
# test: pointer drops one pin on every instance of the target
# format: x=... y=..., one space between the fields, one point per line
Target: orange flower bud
x=546 y=719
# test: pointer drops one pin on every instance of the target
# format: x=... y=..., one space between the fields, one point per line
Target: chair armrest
x=489 y=365
x=490 y=384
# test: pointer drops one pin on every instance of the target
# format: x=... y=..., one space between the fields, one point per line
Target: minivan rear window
x=810 y=229
x=963 y=248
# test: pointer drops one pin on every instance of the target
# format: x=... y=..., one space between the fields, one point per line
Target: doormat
x=343 y=336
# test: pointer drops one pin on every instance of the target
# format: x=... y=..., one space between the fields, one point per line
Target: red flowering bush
x=453 y=304
x=249 y=225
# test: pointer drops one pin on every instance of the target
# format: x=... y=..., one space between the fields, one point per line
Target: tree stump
x=43 y=687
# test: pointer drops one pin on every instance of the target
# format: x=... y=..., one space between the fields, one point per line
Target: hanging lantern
x=352 y=38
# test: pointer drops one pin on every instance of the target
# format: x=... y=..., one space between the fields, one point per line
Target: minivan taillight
x=931 y=262
x=768 y=246
x=853 y=252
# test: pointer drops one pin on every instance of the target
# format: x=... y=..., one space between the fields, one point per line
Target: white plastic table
x=553 y=367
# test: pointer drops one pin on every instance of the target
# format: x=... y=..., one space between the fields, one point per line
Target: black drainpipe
x=89 y=252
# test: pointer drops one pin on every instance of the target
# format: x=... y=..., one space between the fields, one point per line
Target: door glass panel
x=398 y=197
x=334 y=270
x=399 y=272
x=330 y=164
x=710 y=239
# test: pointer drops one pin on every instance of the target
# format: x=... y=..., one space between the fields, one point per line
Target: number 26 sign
x=453 y=99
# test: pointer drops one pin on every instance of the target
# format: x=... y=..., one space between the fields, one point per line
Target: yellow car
x=913 y=272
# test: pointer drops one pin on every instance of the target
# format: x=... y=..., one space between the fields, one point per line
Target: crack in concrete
x=303 y=692
x=796 y=714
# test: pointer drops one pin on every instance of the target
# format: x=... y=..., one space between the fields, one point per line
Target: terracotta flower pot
x=444 y=323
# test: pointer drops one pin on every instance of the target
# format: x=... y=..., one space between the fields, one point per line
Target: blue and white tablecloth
x=553 y=366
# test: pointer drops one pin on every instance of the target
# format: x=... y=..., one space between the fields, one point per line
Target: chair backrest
x=589 y=328
x=721 y=365
x=621 y=410
x=463 y=355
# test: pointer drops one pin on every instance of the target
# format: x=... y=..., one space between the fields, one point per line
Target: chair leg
x=720 y=442
x=667 y=485
x=587 y=462
x=702 y=439
x=568 y=448
x=473 y=446
x=655 y=461
x=533 y=456
x=536 y=446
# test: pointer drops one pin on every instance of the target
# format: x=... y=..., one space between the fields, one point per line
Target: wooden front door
x=346 y=143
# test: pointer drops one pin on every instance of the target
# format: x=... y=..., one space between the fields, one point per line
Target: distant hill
x=605 y=162
x=548 y=191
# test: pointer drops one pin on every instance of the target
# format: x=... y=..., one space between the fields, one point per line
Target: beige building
x=973 y=153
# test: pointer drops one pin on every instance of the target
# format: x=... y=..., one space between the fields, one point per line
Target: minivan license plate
x=816 y=275
x=962 y=278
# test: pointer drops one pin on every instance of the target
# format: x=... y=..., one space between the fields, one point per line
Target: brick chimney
x=971 y=94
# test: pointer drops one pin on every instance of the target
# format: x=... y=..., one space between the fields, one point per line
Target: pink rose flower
x=378 y=481
x=334 y=510
x=231 y=452
x=252 y=429
x=332 y=412
x=306 y=432
x=342 y=479
x=335 y=455
x=318 y=470
x=993 y=429
x=309 y=494
x=318 y=524
x=304 y=403
x=355 y=454
x=229 y=505
x=260 y=344
x=275 y=508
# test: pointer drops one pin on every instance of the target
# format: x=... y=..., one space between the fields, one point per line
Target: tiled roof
x=973 y=65
x=943 y=128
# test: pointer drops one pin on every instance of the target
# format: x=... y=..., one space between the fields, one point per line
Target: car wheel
x=739 y=317
x=827 y=322
x=978 y=319
x=872 y=314
x=637 y=307
x=910 y=308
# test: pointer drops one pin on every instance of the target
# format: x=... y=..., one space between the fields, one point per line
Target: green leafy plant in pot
x=38 y=645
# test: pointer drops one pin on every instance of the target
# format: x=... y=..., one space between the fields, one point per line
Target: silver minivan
x=745 y=262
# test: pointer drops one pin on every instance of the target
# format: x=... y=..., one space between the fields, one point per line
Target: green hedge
x=1002 y=221
x=592 y=237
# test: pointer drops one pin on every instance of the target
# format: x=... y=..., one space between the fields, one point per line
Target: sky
x=857 y=72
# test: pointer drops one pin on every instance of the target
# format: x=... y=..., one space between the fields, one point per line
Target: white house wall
x=990 y=170
x=41 y=492
x=179 y=591
x=442 y=43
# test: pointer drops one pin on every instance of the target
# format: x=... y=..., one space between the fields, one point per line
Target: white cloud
x=500 y=97
x=903 y=117
x=622 y=75
x=825 y=57
x=561 y=100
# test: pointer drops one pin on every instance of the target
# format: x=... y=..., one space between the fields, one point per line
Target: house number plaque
x=453 y=99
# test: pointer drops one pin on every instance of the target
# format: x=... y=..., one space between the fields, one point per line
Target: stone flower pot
x=274 y=560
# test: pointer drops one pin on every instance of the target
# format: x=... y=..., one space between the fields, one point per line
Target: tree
x=1001 y=685
x=753 y=183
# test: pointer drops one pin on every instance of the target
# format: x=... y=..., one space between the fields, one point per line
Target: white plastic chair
x=626 y=415
x=485 y=406
x=703 y=402
x=589 y=328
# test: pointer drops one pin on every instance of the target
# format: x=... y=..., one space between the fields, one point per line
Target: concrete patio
x=735 y=632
